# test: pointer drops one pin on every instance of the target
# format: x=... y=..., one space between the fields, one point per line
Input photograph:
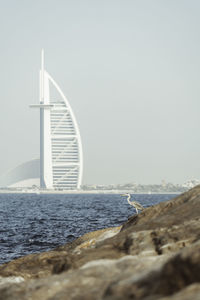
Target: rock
x=11 y=279
x=190 y=292
x=154 y=255
x=177 y=273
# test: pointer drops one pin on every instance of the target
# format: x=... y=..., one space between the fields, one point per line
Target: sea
x=32 y=223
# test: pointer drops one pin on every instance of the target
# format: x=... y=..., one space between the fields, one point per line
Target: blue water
x=31 y=223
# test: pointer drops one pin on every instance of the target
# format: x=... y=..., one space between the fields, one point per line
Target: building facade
x=61 y=158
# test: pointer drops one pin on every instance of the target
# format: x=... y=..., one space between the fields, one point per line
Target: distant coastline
x=132 y=188
x=8 y=191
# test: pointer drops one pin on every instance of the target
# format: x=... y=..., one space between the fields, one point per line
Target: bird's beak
x=122 y=195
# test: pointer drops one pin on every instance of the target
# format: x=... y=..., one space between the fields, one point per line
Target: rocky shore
x=155 y=255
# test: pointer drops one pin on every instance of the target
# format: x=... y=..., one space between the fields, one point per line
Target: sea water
x=31 y=223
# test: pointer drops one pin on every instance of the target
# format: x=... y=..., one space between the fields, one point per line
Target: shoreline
x=87 y=192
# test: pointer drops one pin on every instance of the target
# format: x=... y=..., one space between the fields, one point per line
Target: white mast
x=42 y=182
x=42 y=77
x=46 y=180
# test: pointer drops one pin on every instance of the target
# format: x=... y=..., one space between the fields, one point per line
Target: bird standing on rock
x=135 y=204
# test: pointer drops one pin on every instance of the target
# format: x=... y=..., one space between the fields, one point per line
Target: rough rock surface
x=155 y=255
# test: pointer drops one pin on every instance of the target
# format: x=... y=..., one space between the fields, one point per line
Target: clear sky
x=131 y=72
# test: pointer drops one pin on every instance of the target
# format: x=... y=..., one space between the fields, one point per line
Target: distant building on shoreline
x=132 y=187
x=61 y=159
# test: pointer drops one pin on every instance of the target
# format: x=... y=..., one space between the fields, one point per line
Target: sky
x=130 y=70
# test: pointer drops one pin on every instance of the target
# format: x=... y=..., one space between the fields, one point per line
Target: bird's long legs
x=136 y=210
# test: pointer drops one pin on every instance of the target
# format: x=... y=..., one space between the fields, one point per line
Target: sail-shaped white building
x=61 y=157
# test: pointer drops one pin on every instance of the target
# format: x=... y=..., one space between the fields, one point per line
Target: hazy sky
x=131 y=72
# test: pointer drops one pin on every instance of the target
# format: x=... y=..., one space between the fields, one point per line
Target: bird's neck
x=128 y=198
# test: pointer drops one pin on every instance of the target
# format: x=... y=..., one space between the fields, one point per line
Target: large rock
x=155 y=255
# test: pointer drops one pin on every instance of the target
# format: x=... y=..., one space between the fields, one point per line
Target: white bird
x=135 y=204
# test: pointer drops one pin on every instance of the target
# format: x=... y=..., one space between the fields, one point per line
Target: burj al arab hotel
x=61 y=159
